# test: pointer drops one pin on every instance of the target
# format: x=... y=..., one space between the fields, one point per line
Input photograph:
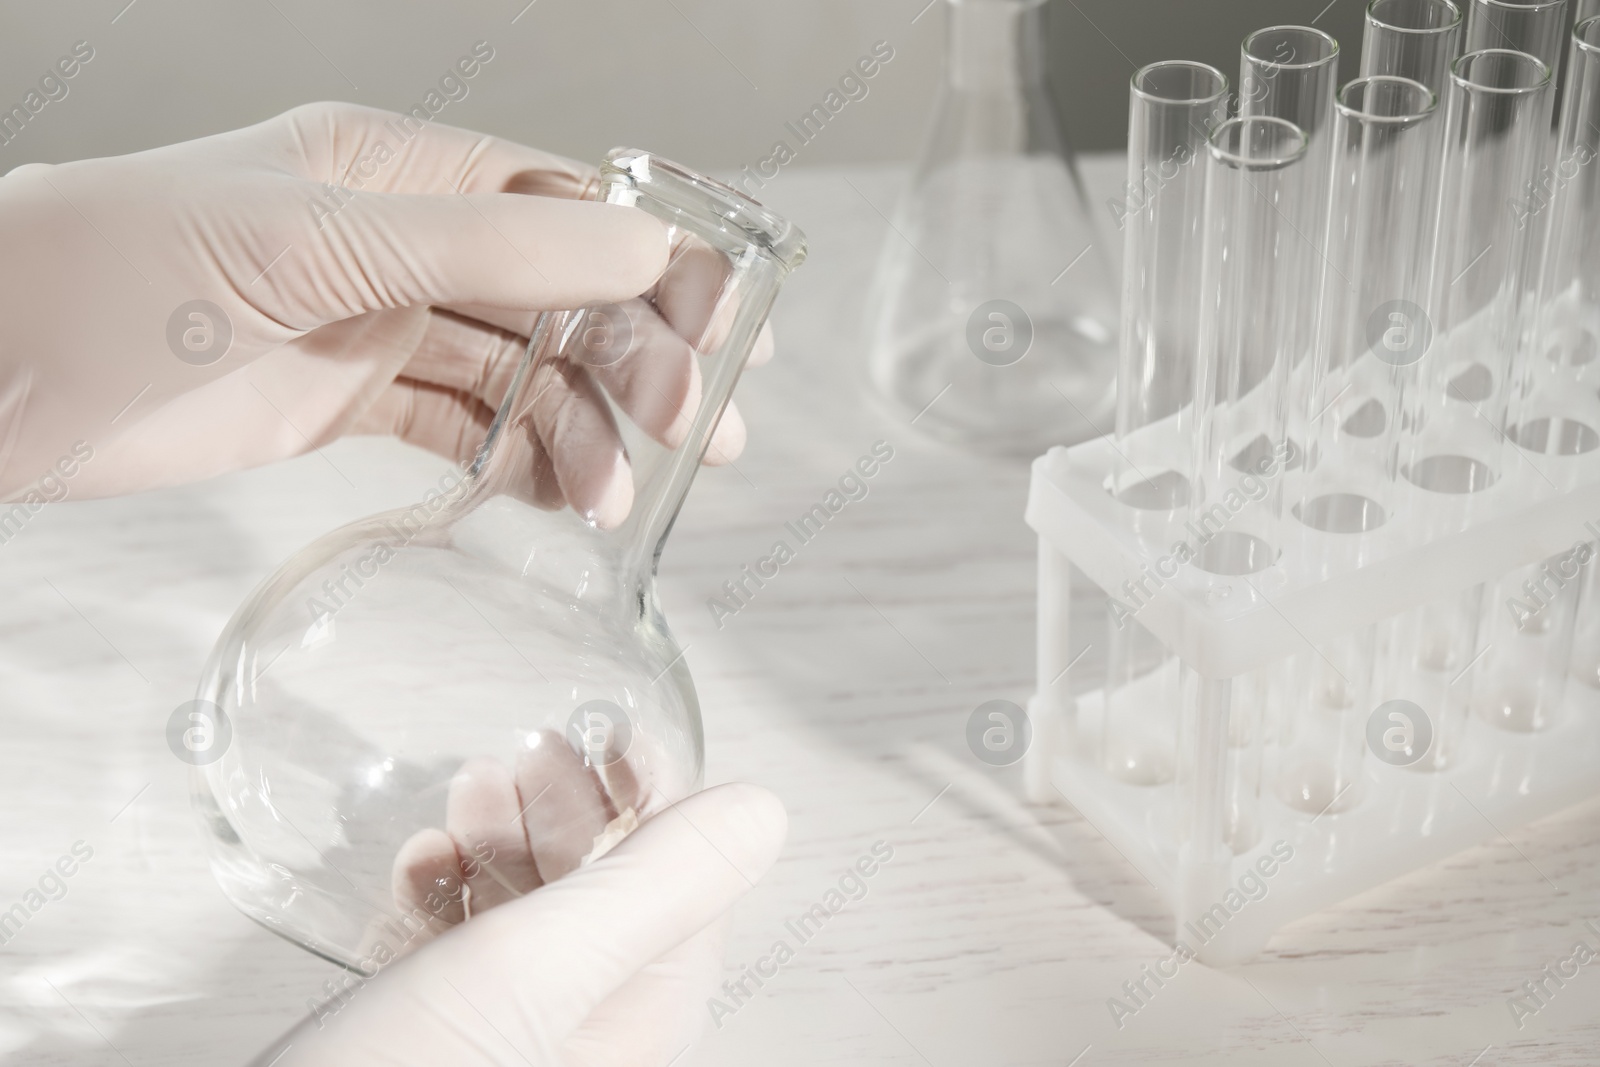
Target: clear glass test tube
x=1485 y=272
x=1172 y=109
x=1370 y=338
x=1538 y=27
x=1536 y=634
x=1570 y=323
x=1585 y=664
x=1478 y=314
x=1572 y=290
x=1291 y=73
x=1416 y=39
x=1251 y=319
x=1251 y=273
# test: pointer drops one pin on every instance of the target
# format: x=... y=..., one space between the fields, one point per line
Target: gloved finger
x=669 y=880
x=379 y=151
x=645 y=366
x=463 y=353
x=579 y=435
x=483 y=814
x=728 y=439
x=650 y=370
x=566 y=808
x=386 y=250
x=620 y=785
x=693 y=308
x=427 y=881
x=535 y=969
x=691 y=291
x=685 y=290
x=761 y=352
x=670 y=992
x=449 y=422
x=521 y=465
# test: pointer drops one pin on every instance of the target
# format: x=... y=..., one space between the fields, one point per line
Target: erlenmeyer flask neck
x=994 y=46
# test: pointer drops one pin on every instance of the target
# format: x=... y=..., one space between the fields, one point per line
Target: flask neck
x=995 y=46
x=511 y=463
x=688 y=339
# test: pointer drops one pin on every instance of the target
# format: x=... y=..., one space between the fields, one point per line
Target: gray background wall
x=708 y=81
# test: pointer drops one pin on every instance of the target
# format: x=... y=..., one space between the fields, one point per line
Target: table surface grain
x=995 y=935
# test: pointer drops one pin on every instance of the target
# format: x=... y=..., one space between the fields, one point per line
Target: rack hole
x=1342 y=513
x=1166 y=491
x=1473 y=385
x=1555 y=437
x=1450 y=474
x=1233 y=553
x=1368 y=420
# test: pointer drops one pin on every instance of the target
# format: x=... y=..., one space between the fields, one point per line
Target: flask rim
x=675 y=191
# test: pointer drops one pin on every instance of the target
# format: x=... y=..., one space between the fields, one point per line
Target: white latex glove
x=611 y=965
x=336 y=302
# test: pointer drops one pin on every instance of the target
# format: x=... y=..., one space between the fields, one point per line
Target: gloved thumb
x=521 y=978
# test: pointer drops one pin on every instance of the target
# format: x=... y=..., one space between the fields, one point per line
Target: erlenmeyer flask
x=992 y=315
x=438 y=708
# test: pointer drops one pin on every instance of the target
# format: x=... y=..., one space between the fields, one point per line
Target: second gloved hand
x=608 y=967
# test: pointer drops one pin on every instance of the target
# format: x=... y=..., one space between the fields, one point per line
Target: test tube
x=1173 y=107
x=1496 y=125
x=1251 y=317
x=1290 y=73
x=1585 y=666
x=1571 y=289
x=1558 y=412
x=1485 y=272
x=1370 y=338
x=1416 y=39
x=1252 y=271
x=1537 y=27
x=1573 y=292
x=1527 y=641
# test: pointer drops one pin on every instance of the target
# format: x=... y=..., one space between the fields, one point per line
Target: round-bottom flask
x=440 y=708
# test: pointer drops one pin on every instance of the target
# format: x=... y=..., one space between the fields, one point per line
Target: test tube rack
x=1216 y=629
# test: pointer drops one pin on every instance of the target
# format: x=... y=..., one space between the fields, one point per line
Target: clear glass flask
x=993 y=319
x=1173 y=107
x=1416 y=39
x=439 y=708
x=1369 y=340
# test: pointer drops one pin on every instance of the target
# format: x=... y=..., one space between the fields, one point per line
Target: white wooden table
x=994 y=936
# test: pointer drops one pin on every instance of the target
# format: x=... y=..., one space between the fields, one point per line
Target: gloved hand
x=400 y=308
x=510 y=830
x=610 y=965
